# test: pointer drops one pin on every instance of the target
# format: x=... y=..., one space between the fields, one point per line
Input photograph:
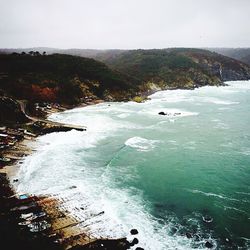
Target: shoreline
x=62 y=230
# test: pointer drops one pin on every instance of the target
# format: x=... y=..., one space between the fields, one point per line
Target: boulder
x=134 y=242
x=134 y=231
x=208 y=244
x=189 y=235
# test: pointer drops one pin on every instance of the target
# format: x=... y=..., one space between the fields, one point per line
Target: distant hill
x=111 y=74
x=177 y=67
x=241 y=54
x=61 y=78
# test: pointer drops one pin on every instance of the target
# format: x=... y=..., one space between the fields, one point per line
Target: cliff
x=179 y=68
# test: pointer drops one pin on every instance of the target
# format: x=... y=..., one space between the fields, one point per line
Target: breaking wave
x=141 y=144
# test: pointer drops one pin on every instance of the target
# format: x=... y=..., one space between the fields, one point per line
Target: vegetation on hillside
x=118 y=75
x=178 y=68
x=241 y=54
x=60 y=78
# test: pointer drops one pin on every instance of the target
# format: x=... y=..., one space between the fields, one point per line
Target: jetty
x=43 y=126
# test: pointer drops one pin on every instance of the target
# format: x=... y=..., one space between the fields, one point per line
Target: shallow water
x=159 y=174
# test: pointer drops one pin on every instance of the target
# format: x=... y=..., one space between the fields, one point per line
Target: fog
x=124 y=24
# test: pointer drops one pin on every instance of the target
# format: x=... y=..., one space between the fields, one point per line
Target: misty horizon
x=109 y=49
x=115 y=24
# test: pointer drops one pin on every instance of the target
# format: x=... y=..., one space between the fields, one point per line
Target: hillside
x=241 y=54
x=117 y=75
x=178 y=68
x=60 y=78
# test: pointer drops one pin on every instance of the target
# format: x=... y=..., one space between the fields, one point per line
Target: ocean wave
x=218 y=101
x=141 y=144
x=235 y=209
x=244 y=193
x=195 y=191
x=115 y=212
x=245 y=151
x=239 y=85
x=123 y=115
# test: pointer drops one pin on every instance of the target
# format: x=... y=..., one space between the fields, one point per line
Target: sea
x=181 y=179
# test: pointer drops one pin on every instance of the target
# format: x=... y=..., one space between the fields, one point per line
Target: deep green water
x=159 y=174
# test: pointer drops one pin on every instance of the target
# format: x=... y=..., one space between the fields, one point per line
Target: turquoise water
x=159 y=174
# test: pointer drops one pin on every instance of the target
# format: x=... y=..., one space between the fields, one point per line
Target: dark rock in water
x=15 y=180
x=173 y=230
x=134 y=242
x=208 y=244
x=189 y=235
x=134 y=231
x=207 y=219
x=72 y=187
x=161 y=113
x=139 y=248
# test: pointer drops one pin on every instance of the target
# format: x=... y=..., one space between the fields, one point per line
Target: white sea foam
x=239 y=85
x=243 y=193
x=245 y=151
x=195 y=191
x=123 y=115
x=70 y=159
x=105 y=210
x=235 y=209
x=218 y=101
x=141 y=144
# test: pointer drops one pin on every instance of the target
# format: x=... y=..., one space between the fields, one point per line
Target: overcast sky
x=124 y=24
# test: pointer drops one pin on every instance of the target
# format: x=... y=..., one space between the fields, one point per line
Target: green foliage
x=121 y=75
x=159 y=66
x=70 y=75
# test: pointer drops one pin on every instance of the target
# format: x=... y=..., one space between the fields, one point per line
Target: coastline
x=62 y=230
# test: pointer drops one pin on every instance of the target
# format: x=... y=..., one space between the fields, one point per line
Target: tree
x=37 y=53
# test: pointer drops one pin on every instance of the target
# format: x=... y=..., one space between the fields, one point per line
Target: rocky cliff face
x=228 y=74
x=11 y=111
x=178 y=68
x=225 y=68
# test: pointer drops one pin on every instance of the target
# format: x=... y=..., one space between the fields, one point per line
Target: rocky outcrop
x=11 y=111
x=221 y=67
x=234 y=75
